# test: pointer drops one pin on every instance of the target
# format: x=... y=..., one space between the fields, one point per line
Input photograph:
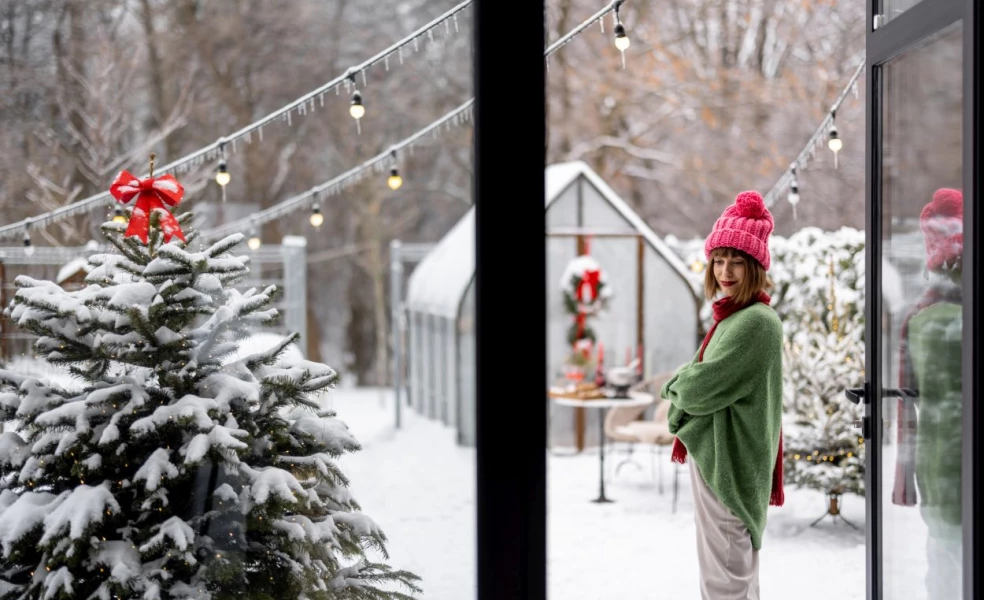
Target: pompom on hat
x=746 y=226
x=941 y=222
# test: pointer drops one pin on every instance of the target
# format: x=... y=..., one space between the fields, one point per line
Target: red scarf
x=723 y=309
x=904 y=490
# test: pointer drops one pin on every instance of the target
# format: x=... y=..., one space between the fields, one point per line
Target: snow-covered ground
x=420 y=487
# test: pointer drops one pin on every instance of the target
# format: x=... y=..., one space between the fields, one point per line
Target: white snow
x=271 y=480
x=220 y=436
x=77 y=510
x=419 y=486
x=225 y=492
x=121 y=557
x=332 y=432
x=58 y=582
x=71 y=268
x=439 y=281
x=157 y=466
x=188 y=406
x=13 y=449
x=182 y=536
x=21 y=514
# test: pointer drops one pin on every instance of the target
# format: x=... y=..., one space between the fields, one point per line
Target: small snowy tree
x=819 y=295
x=180 y=470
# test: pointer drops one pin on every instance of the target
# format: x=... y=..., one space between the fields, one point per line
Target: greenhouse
x=652 y=313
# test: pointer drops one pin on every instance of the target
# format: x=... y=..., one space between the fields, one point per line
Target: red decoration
x=590 y=282
x=151 y=194
x=585 y=294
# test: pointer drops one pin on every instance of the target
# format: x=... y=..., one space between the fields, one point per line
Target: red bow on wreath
x=591 y=279
x=152 y=194
x=587 y=291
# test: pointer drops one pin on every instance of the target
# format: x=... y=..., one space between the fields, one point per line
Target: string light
x=621 y=39
x=222 y=176
x=794 y=197
x=302 y=105
x=28 y=248
x=823 y=131
x=833 y=139
x=316 y=217
x=254 y=242
x=457 y=116
x=356 y=108
x=394 y=180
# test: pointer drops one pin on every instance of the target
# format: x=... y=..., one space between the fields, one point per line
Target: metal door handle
x=856 y=395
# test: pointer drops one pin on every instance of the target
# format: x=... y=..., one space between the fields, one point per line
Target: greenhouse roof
x=439 y=282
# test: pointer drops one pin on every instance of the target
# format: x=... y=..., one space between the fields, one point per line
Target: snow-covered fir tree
x=179 y=471
x=819 y=295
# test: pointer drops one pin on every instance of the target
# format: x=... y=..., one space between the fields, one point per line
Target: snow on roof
x=561 y=175
x=439 y=282
x=71 y=268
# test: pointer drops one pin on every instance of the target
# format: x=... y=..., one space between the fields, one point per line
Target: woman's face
x=729 y=271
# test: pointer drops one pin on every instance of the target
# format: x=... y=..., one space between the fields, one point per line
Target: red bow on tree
x=151 y=194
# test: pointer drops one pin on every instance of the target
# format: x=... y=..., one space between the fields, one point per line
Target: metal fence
x=283 y=265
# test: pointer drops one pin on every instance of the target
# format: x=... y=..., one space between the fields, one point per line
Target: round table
x=603 y=404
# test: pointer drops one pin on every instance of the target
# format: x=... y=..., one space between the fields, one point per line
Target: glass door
x=917 y=397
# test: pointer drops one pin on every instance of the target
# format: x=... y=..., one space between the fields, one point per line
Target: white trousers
x=729 y=567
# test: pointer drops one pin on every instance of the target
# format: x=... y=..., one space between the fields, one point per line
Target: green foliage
x=180 y=468
x=819 y=295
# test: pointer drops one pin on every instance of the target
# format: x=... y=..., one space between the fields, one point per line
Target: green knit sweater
x=727 y=411
x=935 y=344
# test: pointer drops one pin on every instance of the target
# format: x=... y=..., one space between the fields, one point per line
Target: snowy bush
x=819 y=295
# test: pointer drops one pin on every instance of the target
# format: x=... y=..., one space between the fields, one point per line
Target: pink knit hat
x=941 y=222
x=745 y=226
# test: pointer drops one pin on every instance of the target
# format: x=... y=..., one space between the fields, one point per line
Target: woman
x=929 y=459
x=727 y=405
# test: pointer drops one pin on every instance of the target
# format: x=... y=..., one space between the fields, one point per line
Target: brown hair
x=755 y=280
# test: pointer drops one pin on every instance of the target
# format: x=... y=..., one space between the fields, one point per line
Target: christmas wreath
x=586 y=293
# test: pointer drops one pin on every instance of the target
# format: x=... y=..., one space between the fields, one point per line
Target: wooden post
x=579 y=416
x=640 y=303
x=4 y=348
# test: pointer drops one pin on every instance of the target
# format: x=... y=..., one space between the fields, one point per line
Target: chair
x=656 y=434
x=616 y=419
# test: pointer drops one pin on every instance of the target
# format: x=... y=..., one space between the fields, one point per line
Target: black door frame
x=882 y=44
x=510 y=346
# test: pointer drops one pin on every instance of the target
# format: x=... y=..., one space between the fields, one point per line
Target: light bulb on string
x=316 y=217
x=254 y=241
x=28 y=248
x=793 y=198
x=222 y=176
x=621 y=39
x=394 y=181
x=357 y=110
x=833 y=139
